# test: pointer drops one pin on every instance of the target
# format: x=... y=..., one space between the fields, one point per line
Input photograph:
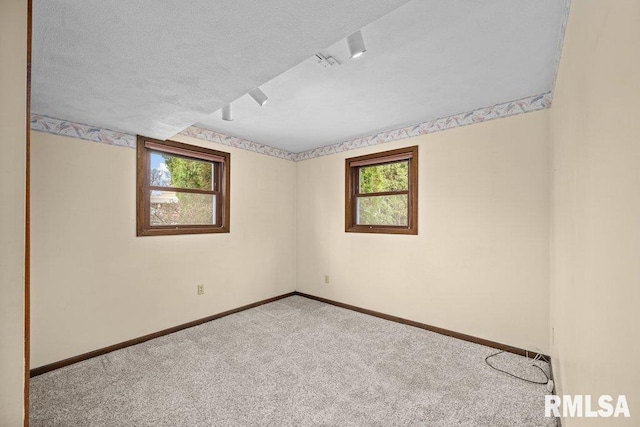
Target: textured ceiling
x=155 y=67
x=425 y=60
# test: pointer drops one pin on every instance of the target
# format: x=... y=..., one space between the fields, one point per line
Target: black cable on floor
x=486 y=359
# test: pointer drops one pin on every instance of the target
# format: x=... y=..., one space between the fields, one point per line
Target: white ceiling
x=154 y=67
x=157 y=67
x=426 y=60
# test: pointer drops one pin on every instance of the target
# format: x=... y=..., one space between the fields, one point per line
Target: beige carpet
x=294 y=362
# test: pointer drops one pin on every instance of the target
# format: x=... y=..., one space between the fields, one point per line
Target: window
x=181 y=189
x=382 y=192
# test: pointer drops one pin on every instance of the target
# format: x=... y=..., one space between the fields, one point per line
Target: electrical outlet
x=326 y=278
x=200 y=289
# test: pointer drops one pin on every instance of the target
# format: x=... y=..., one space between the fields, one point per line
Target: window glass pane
x=382 y=210
x=387 y=177
x=177 y=208
x=172 y=171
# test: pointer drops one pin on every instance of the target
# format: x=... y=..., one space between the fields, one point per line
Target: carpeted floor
x=294 y=362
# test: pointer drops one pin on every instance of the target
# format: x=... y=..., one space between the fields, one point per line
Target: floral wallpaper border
x=76 y=130
x=120 y=139
x=232 y=141
x=525 y=105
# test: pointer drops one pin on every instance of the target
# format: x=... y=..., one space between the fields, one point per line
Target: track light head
x=258 y=96
x=355 y=43
x=226 y=113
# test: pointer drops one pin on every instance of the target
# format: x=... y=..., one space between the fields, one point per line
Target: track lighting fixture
x=355 y=42
x=258 y=96
x=226 y=113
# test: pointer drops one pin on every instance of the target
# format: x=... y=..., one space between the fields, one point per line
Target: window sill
x=381 y=230
x=173 y=231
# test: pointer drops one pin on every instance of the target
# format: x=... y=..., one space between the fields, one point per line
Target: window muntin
x=381 y=192
x=182 y=189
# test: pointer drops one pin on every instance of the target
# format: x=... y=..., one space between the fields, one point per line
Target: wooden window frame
x=352 y=181
x=222 y=174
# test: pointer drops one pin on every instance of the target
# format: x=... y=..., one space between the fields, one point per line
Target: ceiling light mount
x=326 y=61
x=355 y=43
x=259 y=96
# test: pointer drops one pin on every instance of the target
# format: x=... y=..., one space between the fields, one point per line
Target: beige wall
x=480 y=264
x=13 y=89
x=595 y=132
x=95 y=283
